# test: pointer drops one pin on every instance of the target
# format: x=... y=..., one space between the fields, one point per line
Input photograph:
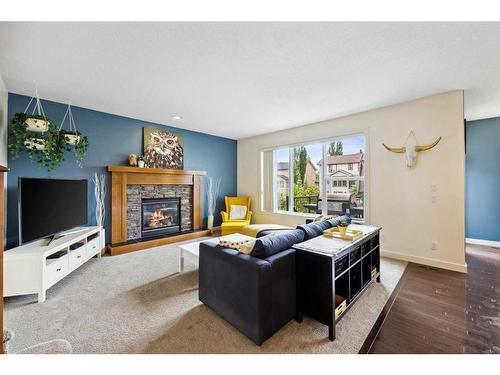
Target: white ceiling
x=242 y=79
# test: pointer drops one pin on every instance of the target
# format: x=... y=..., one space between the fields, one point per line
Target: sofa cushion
x=266 y=246
x=312 y=230
x=325 y=224
x=246 y=246
x=336 y=221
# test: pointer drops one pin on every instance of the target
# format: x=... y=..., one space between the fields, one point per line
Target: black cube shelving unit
x=347 y=273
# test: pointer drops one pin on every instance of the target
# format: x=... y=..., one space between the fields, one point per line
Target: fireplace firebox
x=160 y=216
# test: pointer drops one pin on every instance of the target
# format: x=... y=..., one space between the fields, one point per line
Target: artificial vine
x=81 y=148
x=47 y=148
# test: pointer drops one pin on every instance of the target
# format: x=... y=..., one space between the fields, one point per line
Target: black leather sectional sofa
x=256 y=293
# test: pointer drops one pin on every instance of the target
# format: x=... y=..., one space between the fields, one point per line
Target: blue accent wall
x=111 y=139
x=482 y=206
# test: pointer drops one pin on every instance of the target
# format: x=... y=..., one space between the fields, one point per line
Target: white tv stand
x=32 y=268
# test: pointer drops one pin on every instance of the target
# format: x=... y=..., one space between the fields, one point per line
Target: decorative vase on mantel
x=210 y=223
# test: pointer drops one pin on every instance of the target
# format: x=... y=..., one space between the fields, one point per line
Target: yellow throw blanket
x=253 y=230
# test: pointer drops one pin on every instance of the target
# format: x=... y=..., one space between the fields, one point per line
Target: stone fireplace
x=153 y=207
x=150 y=210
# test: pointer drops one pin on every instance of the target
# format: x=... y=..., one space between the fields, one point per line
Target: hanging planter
x=73 y=137
x=37 y=144
x=44 y=142
x=37 y=135
x=37 y=124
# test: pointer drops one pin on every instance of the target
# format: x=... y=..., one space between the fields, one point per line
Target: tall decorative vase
x=210 y=223
x=213 y=184
x=100 y=195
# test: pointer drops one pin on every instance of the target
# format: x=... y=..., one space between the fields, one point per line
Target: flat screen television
x=50 y=206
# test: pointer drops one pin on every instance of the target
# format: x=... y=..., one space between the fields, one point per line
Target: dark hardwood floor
x=438 y=311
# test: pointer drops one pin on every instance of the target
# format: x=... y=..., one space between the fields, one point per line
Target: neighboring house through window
x=300 y=186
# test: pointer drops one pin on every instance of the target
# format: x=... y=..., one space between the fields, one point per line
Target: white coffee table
x=191 y=251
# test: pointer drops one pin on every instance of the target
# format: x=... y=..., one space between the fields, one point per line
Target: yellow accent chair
x=230 y=226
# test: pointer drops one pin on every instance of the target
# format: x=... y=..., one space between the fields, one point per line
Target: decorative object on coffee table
x=331 y=270
x=163 y=149
x=213 y=185
x=343 y=227
x=349 y=235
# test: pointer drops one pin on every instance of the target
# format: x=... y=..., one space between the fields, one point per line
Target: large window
x=282 y=178
x=305 y=183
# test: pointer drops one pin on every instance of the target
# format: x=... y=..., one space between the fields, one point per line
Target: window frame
x=324 y=142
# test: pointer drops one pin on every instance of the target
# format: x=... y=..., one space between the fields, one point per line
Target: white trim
x=323 y=141
x=323 y=182
x=291 y=173
x=475 y=241
x=426 y=261
x=273 y=188
x=316 y=141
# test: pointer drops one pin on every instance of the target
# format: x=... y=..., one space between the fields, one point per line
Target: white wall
x=398 y=199
x=3 y=123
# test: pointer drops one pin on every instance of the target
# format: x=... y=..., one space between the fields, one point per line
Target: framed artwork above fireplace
x=163 y=149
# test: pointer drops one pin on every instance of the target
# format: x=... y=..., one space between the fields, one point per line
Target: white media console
x=34 y=267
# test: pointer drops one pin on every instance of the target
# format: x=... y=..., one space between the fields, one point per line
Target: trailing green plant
x=343 y=223
x=46 y=149
x=81 y=148
x=17 y=134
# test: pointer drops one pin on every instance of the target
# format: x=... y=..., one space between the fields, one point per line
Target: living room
x=250 y=188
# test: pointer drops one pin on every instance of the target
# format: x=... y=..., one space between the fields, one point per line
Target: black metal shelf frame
x=318 y=283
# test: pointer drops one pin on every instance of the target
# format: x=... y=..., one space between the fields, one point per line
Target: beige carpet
x=137 y=303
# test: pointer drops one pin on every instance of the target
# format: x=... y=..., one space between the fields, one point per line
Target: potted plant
x=140 y=161
x=37 y=124
x=71 y=137
x=81 y=147
x=46 y=149
x=19 y=134
x=33 y=143
x=343 y=227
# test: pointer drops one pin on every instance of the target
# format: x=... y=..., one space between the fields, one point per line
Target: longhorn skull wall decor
x=411 y=148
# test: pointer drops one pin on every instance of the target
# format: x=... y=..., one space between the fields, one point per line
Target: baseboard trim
x=425 y=261
x=475 y=241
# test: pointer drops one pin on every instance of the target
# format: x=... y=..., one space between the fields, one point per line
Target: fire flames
x=160 y=219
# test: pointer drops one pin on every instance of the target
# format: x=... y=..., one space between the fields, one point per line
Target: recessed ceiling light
x=177 y=117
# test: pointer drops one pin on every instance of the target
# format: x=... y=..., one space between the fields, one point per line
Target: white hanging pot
x=35 y=144
x=71 y=139
x=36 y=125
